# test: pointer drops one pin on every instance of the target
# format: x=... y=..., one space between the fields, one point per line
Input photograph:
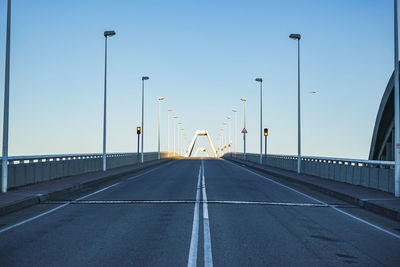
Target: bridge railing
x=24 y=170
x=368 y=173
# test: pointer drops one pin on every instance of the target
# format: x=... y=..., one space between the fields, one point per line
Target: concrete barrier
x=368 y=173
x=35 y=169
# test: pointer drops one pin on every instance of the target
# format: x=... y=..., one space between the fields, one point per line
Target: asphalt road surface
x=198 y=212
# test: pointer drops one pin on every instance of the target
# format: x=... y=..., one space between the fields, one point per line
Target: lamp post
x=179 y=137
x=144 y=78
x=106 y=35
x=396 y=107
x=159 y=101
x=226 y=134
x=173 y=126
x=182 y=144
x=229 y=134
x=260 y=81
x=169 y=110
x=4 y=172
x=298 y=37
x=220 y=141
x=138 y=130
x=244 y=128
x=235 y=112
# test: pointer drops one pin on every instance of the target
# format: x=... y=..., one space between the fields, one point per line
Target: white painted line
x=294 y=204
x=66 y=204
x=208 y=262
x=98 y=191
x=238 y=202
x=51 y=211
x=33 y=218
x=319 y=201
x=192 y=261
x=151 y=170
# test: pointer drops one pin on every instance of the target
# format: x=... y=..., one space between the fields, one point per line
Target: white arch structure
x=201 y=133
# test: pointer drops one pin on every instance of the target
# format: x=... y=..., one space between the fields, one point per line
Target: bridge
x=211 y=200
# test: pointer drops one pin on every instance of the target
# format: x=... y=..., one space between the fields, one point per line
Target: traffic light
x=138 y=130
x=265 y=131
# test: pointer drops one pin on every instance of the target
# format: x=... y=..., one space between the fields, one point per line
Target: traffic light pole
x=265 y=153
x=138 y=154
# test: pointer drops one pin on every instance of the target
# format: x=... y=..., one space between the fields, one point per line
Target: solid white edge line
x=192 y=260
x=66 y=204
x=152 y=169
x=310 y=197
x=52 y=210
x=208 y=262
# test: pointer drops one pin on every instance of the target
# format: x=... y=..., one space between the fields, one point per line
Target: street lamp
x=298 y=37
x=4 y=174
x=173 y=126
x=396 y=107
x=235 y=112
x=229 y=134
x=244 y=131
x=182 y=143
x=144 y=78
x=169 y=110
x=179 y=137
x=106 y=35
x=159 y=101
x=226 y=133
x=260 y=81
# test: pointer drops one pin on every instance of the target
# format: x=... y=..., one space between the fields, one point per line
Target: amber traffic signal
x=265 y=131
x=138 y=130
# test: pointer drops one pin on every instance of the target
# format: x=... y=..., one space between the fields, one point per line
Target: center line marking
x=192 y=261
x=206 y=225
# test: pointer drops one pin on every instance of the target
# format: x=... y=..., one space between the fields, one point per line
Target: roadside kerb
x=36 y=199
x=391 y=213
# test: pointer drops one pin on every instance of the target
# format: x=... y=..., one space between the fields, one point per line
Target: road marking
x=52 y=210
x=152 y=169
x=206 y=225
x=192 y=261
x=319 y=201
x=78 y=199
x=233 y=202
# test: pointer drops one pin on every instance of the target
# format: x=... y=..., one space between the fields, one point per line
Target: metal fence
x=368 y=173
x=26 y=170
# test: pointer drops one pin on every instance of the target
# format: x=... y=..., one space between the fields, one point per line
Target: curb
x=393 y=214
x=32 y=200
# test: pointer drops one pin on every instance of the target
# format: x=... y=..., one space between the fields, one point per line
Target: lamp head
x=234 y=110
x=109 y=33
x=243 y=99
x=295 y=36
x=161 y=98
x=145 y=78
x=259 y=80
x=169 y=109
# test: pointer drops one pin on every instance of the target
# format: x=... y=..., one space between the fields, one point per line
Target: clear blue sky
x=202 y=57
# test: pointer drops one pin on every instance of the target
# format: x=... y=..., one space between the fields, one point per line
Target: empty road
x=201 y=212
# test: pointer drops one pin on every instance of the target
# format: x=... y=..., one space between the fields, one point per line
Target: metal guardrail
x=24 y=170
x=374 y=174
x=60 y=157
x=358 y=162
